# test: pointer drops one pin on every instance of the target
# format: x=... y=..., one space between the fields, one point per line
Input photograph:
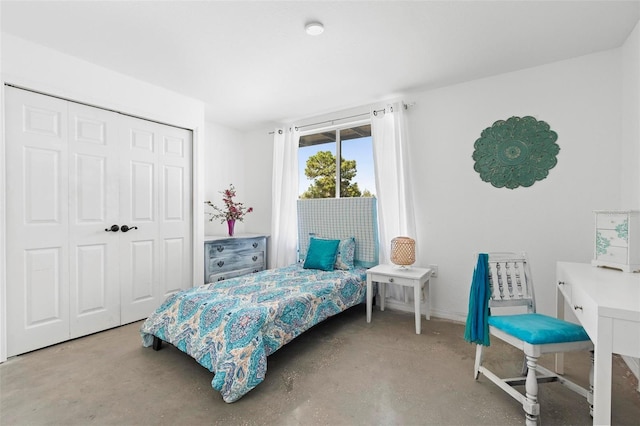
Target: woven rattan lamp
x=403 y=251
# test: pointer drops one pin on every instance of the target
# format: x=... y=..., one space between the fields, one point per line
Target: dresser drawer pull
x=220 y=248
x=390 y=280
x=220 y=263
x=254 y=258
x=255 y=245
x=256 y=270
x=577 y=307
x=221 y=279
x=560 y=282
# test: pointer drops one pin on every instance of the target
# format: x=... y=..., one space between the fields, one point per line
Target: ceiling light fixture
x=314 y=28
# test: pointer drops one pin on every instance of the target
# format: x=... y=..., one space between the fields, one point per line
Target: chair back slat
x=510 y=281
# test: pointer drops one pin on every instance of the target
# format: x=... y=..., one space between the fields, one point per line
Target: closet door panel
x=143 y=274
x=175 y=208
x=173 y=197
x=142 y=206
x=139 y=251
x=37 y=225
x=93 y=208
x=156 y=198
x=174 y=268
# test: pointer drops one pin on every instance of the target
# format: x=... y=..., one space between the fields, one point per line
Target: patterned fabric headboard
x=340 y=218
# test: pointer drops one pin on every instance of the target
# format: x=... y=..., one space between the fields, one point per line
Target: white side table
x=410 y=277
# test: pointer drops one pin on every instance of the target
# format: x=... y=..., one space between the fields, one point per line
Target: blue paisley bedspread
x=231 y=326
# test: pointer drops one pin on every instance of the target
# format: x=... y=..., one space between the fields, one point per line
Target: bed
x=231 y=327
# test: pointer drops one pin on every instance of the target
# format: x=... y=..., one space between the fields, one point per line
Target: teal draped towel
x=477 y=328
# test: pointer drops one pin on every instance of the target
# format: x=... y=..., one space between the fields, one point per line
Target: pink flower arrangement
x=233 y=210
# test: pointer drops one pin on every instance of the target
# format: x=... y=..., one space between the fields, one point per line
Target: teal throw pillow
x=321 y=254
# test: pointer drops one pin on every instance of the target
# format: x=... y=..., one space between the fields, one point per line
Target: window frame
x=337 y=128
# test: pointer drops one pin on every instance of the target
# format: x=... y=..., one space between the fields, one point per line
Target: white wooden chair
x=511 y=287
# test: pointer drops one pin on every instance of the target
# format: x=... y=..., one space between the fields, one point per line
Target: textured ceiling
x=252 y=62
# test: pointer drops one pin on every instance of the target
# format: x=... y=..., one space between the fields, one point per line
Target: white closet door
x=155 y=200
x=37 y=221
x=93 y=207
x=72 y=172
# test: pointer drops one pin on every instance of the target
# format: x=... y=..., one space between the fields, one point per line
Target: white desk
x=607 y=304
x=417 y=278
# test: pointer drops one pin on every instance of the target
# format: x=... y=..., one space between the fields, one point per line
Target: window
x=348 y=149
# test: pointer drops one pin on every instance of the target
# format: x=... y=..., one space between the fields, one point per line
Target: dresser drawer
x=236 y=261
x=614 y=238
x=611 y=220
x=582 y=306
x=392 y=280
x=225 y=247
x=585 y=310
x=565 y=288
x=614 y=255
x=232 y=274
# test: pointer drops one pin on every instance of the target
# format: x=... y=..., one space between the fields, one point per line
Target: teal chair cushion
x=539 y=329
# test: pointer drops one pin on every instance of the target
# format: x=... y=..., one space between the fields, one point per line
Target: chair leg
x=525 y=369
x=478 y=363
x=530 y=405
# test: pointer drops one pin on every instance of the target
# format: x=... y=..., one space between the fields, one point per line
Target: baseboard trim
x=398 y=305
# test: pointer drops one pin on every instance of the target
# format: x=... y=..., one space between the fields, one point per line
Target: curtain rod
x=333 y=120
x=375 y=113
x=323 y=122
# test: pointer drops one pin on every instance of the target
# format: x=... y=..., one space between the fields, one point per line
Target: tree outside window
x=318 y=163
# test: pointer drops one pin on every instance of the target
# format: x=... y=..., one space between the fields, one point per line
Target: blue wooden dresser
x=228 y=257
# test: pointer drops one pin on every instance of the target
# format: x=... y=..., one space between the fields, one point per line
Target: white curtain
x=284 y=183
x=393 y=184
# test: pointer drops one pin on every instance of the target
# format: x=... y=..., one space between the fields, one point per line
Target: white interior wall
x=460 y=215
x=224 y=165
x=630 y=176
x=258 y=165
x=38 y=68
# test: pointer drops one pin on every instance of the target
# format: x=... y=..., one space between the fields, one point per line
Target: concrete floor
x=342 y=372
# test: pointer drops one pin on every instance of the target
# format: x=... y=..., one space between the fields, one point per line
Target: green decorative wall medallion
x=516 y=152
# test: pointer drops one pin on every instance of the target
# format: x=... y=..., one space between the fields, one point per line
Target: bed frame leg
x=157 y=343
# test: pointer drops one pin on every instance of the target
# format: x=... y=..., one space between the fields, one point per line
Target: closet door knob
x=126 y=228
x=114 y=228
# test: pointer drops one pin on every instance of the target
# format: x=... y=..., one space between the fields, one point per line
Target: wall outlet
x=434 y=270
